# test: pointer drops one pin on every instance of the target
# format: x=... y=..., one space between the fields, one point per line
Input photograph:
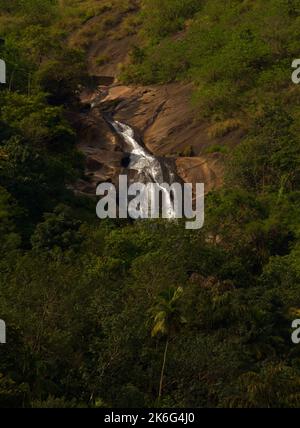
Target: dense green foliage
x=131 y=315
x=238 y=53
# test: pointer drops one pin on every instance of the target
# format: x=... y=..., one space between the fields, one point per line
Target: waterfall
x=148 y=166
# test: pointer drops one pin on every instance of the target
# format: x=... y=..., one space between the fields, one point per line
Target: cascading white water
x=146 y=164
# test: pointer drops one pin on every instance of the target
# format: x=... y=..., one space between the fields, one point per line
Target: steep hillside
x=192 y=88
x=162 y=115
x=117 y=313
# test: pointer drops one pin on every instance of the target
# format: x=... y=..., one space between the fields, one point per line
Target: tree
x=60 y=77
x=59 y=230
x=276 y=385
x=269 y=158
x=167 y=319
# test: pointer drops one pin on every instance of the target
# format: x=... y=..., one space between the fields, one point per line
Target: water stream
x=149 y=168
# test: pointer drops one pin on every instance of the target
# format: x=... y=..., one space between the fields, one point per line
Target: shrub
x=220 y=129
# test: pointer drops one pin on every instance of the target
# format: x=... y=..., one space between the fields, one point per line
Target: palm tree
x=167 y=319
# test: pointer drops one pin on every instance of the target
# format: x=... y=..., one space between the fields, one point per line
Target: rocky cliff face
x=162 y=117
x=103 y=151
